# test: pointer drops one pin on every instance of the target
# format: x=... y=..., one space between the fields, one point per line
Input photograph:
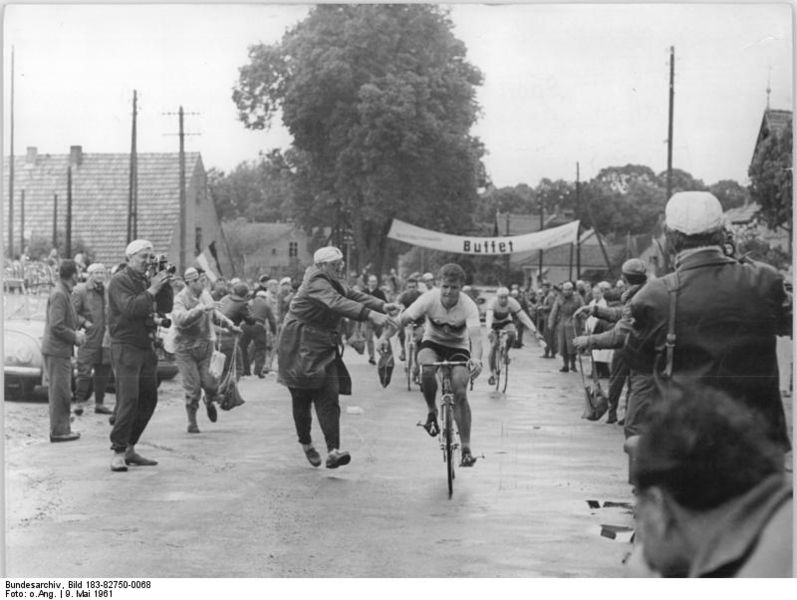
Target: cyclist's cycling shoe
x=431 y=426
x=491 y=381
x=468 y=460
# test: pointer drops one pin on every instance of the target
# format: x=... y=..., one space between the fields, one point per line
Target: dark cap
x=634 y=266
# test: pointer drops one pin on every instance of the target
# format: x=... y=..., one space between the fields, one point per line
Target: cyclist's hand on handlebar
x=475 y=367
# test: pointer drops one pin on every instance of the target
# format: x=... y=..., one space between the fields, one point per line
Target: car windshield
x=21 y=307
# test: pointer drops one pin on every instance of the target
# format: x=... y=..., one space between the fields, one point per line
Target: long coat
x=60 y=324
x=728 y=314
x=562 y=322
x=91 y=305
x=310 y=338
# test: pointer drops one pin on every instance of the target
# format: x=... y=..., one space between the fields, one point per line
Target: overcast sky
x=562 y=84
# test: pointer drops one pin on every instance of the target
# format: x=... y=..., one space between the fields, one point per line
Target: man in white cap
x=133 y=300
x=193 y=316
x=309 y=359
x=713 y=321
x=93 y=361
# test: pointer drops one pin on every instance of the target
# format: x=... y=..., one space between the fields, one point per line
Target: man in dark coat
x=309 y=358
x=235 y=306
x=60 y=335
x=134 y=297
x=93 y=360
x=728 y=314
x=562 y=322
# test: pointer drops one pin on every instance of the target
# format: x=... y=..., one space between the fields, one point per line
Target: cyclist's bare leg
x=428 y=378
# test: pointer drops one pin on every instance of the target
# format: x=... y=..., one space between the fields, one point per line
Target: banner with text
x=539 y=240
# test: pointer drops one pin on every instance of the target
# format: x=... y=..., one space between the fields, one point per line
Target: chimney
x=30 y=158
x=75 y=156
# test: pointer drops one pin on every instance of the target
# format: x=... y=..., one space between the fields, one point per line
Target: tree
x=379 y=100
x=729 y=193
x=257 y=191
x=770 y=175
x=681 y=182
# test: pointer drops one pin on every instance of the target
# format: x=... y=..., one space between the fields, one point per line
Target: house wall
x=274 y=257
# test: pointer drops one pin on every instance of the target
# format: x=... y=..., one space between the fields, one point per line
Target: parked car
x=23 y=366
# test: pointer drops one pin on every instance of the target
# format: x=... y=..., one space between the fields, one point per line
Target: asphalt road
x=240 y=500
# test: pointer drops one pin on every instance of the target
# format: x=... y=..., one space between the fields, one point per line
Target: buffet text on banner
x=539 y=240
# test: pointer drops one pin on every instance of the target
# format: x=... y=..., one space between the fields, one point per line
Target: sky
x=584 y=84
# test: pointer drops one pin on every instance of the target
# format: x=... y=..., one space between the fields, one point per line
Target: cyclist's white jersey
x=446 y=326
x=503 y=314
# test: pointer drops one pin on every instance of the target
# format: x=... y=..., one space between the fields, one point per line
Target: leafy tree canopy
x=770 y=175
x=380 y=100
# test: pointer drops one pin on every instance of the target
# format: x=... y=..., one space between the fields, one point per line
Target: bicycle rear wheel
x=410 y=365
x=448 y=441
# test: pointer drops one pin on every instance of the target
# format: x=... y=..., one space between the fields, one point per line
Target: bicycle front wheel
x=448 y=442
x=410 y=364
x=505 y=371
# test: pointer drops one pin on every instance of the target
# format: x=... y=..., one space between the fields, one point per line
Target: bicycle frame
x=501 y=359
x=448 y=442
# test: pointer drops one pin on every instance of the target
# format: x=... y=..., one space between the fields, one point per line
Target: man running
x=453 y=332
x=500 y=313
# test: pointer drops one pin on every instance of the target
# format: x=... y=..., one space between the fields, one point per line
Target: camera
x=160 y=263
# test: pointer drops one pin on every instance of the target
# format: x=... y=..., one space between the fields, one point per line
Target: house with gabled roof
x=100 y=189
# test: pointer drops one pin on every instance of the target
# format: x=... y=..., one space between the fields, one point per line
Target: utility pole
x=68 y=212
x=183 y=209
x=542 y=224
x=22 y=222
x=55 y=220
x=578 y=232
x=11 y=169
x=669 y=128
x=132 y=199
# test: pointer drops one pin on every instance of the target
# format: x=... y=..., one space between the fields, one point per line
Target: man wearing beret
x=727 y=314
x=61 y=333
x=309 y=357
x=93 y=360
x=133 y=299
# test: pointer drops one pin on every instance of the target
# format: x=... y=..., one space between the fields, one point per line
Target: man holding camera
x=135 y=295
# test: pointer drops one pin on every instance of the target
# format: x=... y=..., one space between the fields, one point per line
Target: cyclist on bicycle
x=452 y=327
x=501 y=312
x=410 y=294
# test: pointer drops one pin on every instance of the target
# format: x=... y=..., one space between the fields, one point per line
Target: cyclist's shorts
x=445 y=352
x=509 y=326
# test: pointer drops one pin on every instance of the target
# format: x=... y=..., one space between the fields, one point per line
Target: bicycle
x=501 y=361
x=448 y=442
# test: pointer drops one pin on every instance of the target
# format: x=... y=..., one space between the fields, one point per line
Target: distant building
x=282 y=249
x=559 y=264
x=100 y=193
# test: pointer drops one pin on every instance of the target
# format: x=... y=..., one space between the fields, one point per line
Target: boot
x=191 y=412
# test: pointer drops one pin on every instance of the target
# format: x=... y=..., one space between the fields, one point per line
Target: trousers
x=194 y=366
x=136 y=393
x=59 y=392
x=95 y=371
x=327 y=410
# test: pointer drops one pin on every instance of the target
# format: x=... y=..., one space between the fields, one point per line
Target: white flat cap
x=327 y=254
x=94 y=267
x=693 y=213
x=137 y=246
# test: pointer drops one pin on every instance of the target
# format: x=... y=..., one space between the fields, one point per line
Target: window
x=293 y=249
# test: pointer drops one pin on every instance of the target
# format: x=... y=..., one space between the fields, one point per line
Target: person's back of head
x=704 y=449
